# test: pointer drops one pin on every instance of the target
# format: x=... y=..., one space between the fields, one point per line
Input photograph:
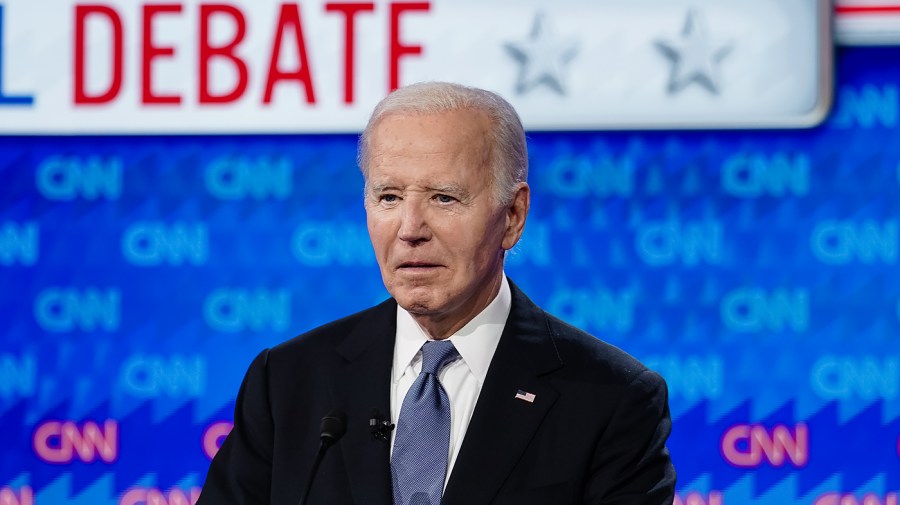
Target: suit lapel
x=361 y=386
x=502 y=425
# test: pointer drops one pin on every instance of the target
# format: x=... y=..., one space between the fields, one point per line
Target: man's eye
x=389 y=198
x=445 y=198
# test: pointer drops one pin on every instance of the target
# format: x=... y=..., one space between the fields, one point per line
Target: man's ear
x=516 y=213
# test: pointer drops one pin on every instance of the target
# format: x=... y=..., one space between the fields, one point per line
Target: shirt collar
x=476 y=341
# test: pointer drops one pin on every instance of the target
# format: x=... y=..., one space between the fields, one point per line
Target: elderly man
x=494 y=400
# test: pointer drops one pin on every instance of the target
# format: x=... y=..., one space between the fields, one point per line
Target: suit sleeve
x=241 y=472
x=631 y=463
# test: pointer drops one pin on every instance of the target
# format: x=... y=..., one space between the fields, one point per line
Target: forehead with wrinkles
x=454 y=140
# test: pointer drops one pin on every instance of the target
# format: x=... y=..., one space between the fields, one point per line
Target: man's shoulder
x=330 y=335
x=574 y=342
x=582 y=355
x=591 y=357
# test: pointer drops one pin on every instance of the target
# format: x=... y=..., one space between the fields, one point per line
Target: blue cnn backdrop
x=756 y=270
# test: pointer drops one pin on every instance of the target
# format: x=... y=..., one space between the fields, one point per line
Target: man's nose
x=413 y=223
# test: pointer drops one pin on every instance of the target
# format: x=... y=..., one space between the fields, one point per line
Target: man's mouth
x=417 y=265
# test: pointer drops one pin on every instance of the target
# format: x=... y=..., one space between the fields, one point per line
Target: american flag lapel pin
x=522 y=395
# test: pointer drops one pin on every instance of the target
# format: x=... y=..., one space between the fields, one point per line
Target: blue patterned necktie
x=419 y=461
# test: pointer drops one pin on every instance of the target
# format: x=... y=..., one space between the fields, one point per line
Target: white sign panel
x=265 y=66
x=867 y=22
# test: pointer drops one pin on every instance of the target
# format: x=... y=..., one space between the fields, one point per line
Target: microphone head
x=334 y=425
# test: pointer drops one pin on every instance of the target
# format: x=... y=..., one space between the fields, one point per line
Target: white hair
x=508 y=152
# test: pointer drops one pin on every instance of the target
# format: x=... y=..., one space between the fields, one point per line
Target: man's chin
x=415 y=298
x=417 y=307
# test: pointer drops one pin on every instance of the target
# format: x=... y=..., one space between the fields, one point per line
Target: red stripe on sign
x=867 y=9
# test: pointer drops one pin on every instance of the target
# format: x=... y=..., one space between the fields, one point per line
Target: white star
x=694 y=57
x=542 y=57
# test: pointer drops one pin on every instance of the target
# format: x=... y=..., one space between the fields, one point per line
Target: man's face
x=438 y=234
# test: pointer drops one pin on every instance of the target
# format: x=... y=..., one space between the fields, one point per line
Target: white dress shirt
x=463 y=378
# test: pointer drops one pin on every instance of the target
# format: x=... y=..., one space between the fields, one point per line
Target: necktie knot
x=437 y=354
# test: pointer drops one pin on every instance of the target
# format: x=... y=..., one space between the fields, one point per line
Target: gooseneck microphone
x=333 y=427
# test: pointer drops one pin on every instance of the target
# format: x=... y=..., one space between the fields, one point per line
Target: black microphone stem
x=333 y=427
x=323 y=446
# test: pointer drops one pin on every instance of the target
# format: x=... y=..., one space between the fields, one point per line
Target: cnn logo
x=752 y=445
x=63 y=442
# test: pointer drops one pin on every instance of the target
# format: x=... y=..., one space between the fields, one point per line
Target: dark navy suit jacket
x=594 y=434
